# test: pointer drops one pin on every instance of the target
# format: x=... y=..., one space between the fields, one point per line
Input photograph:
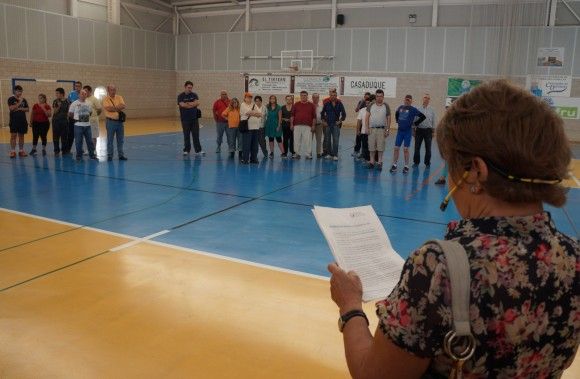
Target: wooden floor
x=148 y=310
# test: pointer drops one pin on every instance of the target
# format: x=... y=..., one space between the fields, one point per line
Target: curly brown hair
x=515 y=133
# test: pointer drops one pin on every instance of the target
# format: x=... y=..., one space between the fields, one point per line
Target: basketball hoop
x=293 y=68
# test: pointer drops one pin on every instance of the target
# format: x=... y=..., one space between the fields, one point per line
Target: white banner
x=567 y=107
x=551 y=57
x=358 y=85
x=549 y=85
x=269 y=84
x=316 y=84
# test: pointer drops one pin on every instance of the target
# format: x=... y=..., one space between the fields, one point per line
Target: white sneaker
x=200 y=153
x=328 y=156
x=335 y=158
x=308 y=156
x=185 y=153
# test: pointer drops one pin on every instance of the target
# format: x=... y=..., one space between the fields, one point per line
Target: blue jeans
x=221 y=128
x=115 y=128
x=331 y=138
x=80 y=132
x=234 y=135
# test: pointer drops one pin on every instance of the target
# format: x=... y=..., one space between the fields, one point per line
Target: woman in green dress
x=273 y=124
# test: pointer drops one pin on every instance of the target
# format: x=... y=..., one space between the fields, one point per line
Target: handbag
x=243 y=127
x=122 y=115
x=459 y=343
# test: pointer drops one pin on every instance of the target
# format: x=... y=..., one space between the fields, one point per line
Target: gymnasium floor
x=165 y=266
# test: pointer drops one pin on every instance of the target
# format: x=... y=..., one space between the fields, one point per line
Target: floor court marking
x=148 y=239
x=138 y=241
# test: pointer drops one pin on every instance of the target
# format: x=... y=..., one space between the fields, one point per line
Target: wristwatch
x=343 y=319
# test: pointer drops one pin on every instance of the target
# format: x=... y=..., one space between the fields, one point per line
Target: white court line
x=78 y=226
x=237 y=260
x=147 y=239
x=138 y=241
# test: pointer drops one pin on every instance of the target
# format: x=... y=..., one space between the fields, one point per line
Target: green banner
x=457 y=86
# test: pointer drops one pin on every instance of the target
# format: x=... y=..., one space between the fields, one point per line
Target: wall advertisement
x=358 y=85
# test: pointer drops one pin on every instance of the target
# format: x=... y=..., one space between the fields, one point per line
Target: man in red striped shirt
x=221 y=124
x=303 y=123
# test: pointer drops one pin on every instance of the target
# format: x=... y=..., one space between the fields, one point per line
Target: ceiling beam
x=145 y=9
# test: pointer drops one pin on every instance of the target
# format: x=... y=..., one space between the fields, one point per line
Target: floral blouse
x=525 y=299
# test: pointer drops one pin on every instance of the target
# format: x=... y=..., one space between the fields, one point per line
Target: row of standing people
x=295 y=125
x=73 y=117
x=292 y=126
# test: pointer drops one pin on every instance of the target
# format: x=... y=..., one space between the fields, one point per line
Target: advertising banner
x=358 y=85
x=550 y=57
x=549 y=85
x=315 y=84
x=269 y=84
x=567 y=107
x=457 y=87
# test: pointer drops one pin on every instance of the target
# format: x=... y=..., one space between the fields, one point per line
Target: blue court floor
x=259 y=213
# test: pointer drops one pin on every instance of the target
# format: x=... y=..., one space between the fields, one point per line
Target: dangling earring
x=473 y=189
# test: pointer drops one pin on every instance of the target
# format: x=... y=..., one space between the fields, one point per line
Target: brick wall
x=148 y=93
x=208 y=85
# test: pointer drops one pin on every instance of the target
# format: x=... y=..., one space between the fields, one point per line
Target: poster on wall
x=567 y=107
x=549 y=85
x=550 y=57
x=315 y=84
x=358 y=85
x=268 y=84
x=457 y=87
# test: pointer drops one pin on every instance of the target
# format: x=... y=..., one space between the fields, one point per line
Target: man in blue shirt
x=333 y=113
x=406 y=116
x=70 y=133
x=188 y=102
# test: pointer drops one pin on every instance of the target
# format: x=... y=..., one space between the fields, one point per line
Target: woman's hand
x=345 y=289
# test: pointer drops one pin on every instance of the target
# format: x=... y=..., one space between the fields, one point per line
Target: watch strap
x=350 y=315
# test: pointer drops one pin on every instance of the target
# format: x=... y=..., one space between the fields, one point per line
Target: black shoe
x=94 y=158
x=405 y=170
x=393 y=169
x=379 y=167
x=243 y=161
x=240 y=154
x=232 y=154
x=284 y=155
x=109 y=159
x=415 y=165
x=271 y=155
x=254 y=161
x=427 y=165
x=319 y=156
x=32 y=152
x=122 y=158
x=370 y=166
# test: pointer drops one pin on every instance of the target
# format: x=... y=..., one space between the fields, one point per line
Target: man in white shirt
x=379 y=121
x=97 y=108
x=362 y=129
x=81 y=111
x=318 y=129
x=424 y=132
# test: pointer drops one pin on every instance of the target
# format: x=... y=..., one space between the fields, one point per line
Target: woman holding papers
x=507 y=154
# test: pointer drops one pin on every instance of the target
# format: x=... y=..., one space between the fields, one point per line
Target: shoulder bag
x=122 y=115
x=459 y=343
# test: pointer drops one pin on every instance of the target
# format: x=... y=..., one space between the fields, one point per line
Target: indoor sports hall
x=160 y=261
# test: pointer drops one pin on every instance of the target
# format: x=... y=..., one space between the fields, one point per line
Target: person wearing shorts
x=378 y=119
x=406 y=116
x=18 y=107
